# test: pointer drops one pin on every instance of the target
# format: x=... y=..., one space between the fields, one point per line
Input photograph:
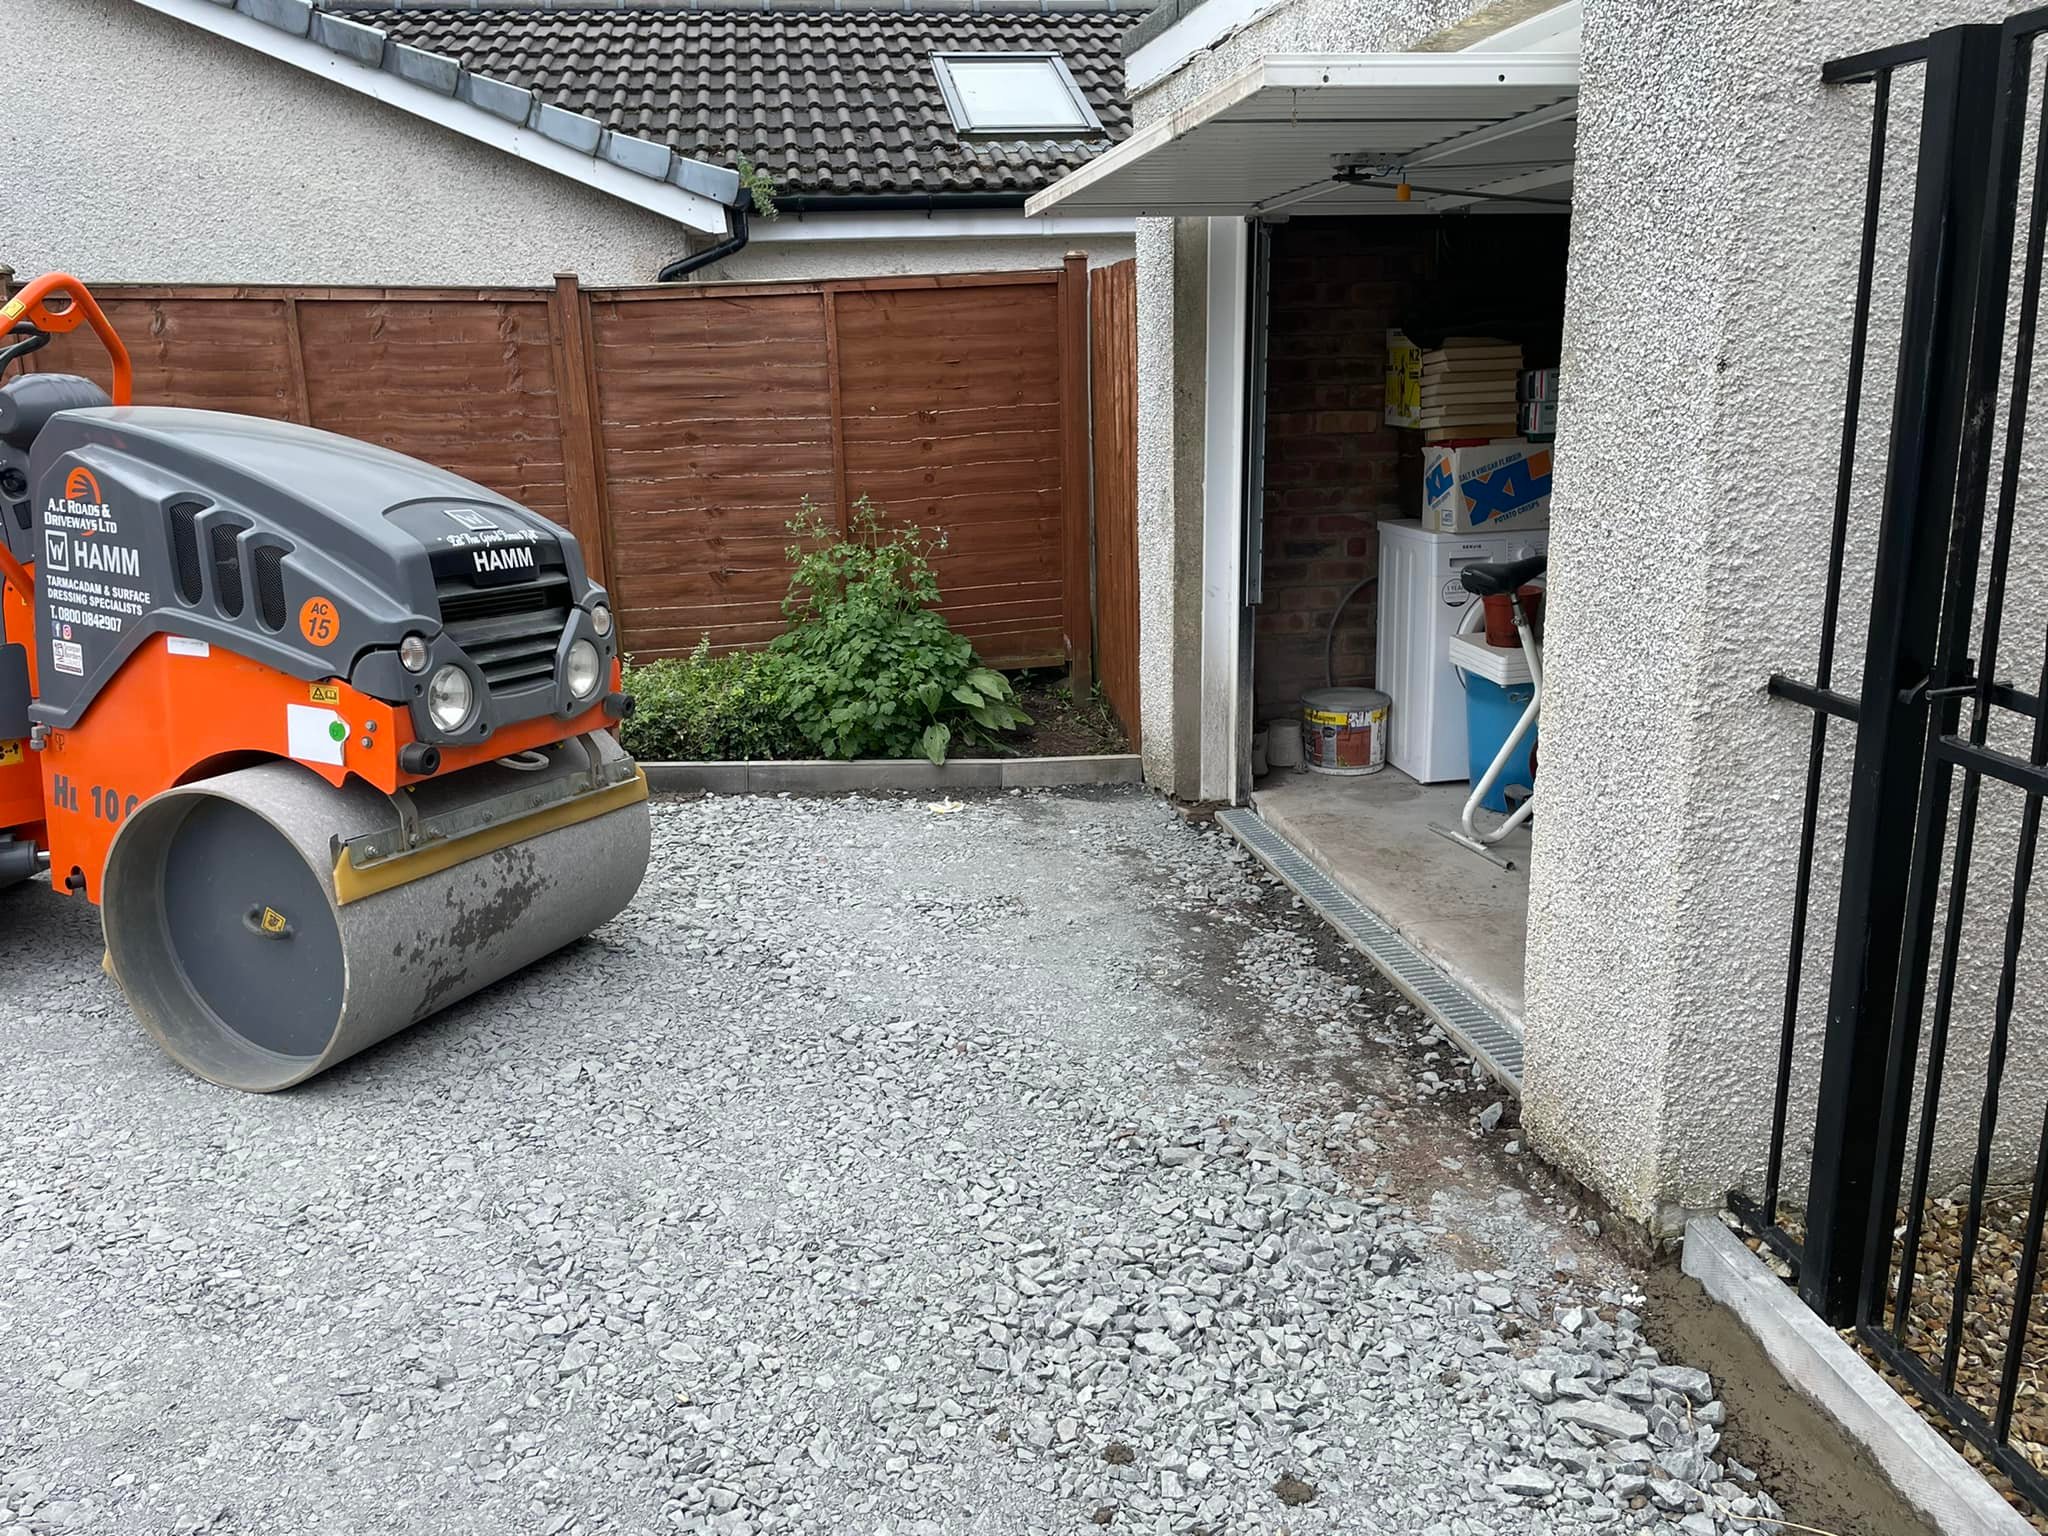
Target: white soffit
x=1269 y=140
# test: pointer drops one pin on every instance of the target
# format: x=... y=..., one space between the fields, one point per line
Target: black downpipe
x=733 y=243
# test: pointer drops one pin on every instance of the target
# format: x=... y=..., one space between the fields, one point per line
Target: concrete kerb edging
x=892 y=773
x=1925 y=1470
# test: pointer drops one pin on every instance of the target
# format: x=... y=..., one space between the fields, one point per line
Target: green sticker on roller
x=337 y=731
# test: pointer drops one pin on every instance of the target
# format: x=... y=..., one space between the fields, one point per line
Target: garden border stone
x=826 y=777
x=1929 y=1473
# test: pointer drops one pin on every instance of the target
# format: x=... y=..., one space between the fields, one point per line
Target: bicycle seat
x=1492 y=578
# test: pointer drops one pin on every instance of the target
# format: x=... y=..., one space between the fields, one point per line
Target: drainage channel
x=1479 y=1031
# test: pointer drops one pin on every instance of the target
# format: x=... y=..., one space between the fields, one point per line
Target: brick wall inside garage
x=1334 y=469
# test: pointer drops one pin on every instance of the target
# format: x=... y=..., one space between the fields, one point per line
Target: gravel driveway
x=1021 y=1165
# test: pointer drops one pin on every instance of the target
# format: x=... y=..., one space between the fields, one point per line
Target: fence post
x=301 y=402
x=1076 y=492
x=577 y=414
x=1955 y=158
x=829 y=297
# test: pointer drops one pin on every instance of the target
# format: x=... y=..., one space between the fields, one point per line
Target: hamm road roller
x=324 y=731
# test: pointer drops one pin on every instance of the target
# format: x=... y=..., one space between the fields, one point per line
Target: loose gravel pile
x=1016 y=1166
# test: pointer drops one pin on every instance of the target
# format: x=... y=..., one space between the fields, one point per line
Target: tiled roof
x=828 y=98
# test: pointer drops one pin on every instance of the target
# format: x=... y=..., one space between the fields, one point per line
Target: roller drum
x=224 y=930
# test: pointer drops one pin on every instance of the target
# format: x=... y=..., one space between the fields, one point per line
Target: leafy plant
x=873 y=669
x=706 y=708
x=760 y=187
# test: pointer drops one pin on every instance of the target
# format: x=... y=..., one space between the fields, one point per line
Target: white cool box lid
x=1506 y=668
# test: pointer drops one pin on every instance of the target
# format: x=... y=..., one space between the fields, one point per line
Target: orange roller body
x=325 y=731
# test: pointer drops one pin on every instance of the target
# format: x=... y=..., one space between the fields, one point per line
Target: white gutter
x=655 y=189
x=962 y=224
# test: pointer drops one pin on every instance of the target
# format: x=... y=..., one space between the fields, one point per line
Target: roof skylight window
x=1014 y=96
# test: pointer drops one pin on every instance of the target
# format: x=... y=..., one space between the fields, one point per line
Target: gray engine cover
x=310 y=552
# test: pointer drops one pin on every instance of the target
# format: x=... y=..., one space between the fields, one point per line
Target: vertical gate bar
x=1994 y=1057
x=1975 y=470
x=2023 y=1290
x=1816 y=752
x=1906 y=593
x=1951 y=664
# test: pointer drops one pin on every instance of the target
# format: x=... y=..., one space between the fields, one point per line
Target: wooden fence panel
x=677 y=430
x=470 y=387
x=1113 y=367
x=950 y=411
x=189 y=351
x=715 y=412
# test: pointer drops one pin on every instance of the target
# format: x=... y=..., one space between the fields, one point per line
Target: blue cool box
x=1490 y=714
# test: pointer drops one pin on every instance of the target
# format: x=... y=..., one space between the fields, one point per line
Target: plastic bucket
x=1344 y=730
x=1283 y=743
x=1500 y=618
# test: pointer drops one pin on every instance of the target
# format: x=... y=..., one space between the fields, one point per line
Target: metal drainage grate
x=1494 y=1043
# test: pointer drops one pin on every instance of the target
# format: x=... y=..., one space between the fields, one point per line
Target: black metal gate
x=1922 y=717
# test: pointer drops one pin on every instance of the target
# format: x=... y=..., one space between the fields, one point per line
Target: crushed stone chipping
x=1029 y=1168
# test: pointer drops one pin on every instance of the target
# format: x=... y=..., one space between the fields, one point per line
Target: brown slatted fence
x=1113 y=371
x=678 y=429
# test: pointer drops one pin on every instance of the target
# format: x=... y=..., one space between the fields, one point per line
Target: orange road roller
x=326 y=732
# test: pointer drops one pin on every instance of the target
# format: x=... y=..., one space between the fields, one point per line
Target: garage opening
x=1356 y=590
x=1348 y=198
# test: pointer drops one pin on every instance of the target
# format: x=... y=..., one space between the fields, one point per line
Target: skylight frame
x=1090 y=126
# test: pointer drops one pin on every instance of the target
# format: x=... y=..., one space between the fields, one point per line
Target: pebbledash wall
x=1710 y=288
x=1707 y=327
x=221 y=165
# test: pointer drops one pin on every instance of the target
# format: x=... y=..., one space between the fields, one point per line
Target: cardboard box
x=1487 y=488
x=1538 y=418
x=1404 y=381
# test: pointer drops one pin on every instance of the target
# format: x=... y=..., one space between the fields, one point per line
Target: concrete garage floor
x=1372 y=835
x=1017 y=1165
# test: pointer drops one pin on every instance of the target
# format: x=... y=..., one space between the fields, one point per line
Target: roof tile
x=833 y=97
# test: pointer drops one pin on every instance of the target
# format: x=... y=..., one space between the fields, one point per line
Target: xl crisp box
x=1486 y=487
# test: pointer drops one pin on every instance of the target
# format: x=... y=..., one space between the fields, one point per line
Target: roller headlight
x=601 y=620
x=412 y=653
x=450 y=698
x=584 y=669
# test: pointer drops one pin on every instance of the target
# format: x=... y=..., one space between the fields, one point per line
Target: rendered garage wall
x=1712 y=275
x=1173 y=345
x=149 y=151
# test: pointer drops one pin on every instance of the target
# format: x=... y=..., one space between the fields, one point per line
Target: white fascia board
x=1214 y=20
x=694 y=212
x=1203 y=28
x=1557 y=28
x=964 y=224
x=1305 y=73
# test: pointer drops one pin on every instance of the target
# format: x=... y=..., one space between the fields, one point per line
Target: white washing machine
x=1421 y=602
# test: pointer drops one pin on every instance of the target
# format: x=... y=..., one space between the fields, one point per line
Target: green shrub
x=868 y=667
x=874 y=670
x=706 y=708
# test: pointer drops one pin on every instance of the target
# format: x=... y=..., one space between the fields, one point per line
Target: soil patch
x=1063 y=724
x=1822 y=1480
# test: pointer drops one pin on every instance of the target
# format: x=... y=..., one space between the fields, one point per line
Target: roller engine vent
x=227 y=566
